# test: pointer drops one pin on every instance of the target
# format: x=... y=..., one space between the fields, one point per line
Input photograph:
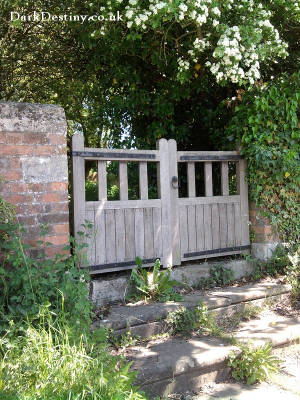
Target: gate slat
x=207 y=226
x=200 y=227
x=143 y=180
x=139 y=232
x=100 y=236
x=129 y=232
x=223 y=226
x=149 y=236
x=224 y=179
x=183 y=229
x=157 y=232
x=120 y=235
x=90 y=241
x=191 y=179
x=123 y=180
x=110 y=227
x=102 y=181
x=208 y=179
x=215 y=218
x=230 y=224
x=237 y=224
x=192 y=228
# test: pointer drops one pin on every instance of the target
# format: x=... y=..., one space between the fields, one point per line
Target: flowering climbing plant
x=231 y=39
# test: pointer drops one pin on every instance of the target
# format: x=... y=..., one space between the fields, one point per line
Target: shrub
x=48 y=362
x=183 y=321
x=253 y=365
x=27 y=283
x=218 y=276
x=154 y=285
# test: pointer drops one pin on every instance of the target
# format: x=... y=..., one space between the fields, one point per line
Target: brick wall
x=34 y=172
x=265 y=239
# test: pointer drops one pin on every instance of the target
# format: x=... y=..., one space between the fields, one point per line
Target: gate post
x=78 y=183
x=169 y=207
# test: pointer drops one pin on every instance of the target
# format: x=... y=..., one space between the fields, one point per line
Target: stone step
x=147 y=320
x=176 y=365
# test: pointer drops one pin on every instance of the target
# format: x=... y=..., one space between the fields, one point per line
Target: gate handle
x=174 y=182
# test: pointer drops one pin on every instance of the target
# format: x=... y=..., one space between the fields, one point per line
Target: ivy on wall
x=266 y=125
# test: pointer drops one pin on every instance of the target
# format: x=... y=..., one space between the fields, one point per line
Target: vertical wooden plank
x=191 y=179
x=102 y=181
x=129 y=234
x=224 y=178
x=223 y=226
x=143 y=180
x=157 y=241
x=91 y=249
x=78 y=184
x=139 y=232
x=200 y=227
x=100 y=236
x=207 y=227
x=120 y=235
x=183 y=229
x=215 y=218
x=174 y=208
x=208 y=179
x=164 y=189
x=243 y=190
x=237 y=224
x=110 y=229
x=192 y=238
x=123 y=180
x=230 y=225
x=149 y=237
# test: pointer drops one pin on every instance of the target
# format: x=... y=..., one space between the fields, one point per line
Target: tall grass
x=48 y=363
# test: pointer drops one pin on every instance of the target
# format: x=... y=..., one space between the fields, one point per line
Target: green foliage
x=123 y=341
x=184 y=321
x=27 y=283
x=153 y=285
x=278 y=264
x=48 y=362
x=218 y=276
x=266 y=125
x=249 y=312
x=253 y=365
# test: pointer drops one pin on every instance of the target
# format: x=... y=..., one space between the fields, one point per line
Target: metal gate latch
x=174 y=182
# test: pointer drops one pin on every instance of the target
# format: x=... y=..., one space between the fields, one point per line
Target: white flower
x=215 y=22
x=183 y=7
x=216 y=11
x=129 y=14
x=129 y=24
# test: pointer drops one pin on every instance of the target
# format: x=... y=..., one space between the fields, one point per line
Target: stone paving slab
x=121 y=317
x=177 y=365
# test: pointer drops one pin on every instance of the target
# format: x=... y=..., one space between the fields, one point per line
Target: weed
x=123 y=341
x=183 y=321
x=253 y=365
x=218 y=276
x=153 y=285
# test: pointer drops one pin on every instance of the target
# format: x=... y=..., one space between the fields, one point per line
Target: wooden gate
x=170 y=228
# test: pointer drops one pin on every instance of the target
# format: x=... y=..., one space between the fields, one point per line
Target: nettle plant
x=230 y=39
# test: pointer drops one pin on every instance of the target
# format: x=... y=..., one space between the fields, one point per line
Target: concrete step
x=176 y=365
x=147 y=320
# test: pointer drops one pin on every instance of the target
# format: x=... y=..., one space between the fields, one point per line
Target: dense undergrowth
x=47 y=350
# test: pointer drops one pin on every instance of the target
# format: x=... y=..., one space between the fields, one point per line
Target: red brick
x=59 y=186
x=13 y=175
x=57 y=139
x=15 y=163
x=35 y=138
x=36 y=187
x=55 y=250
x=50 y=197
x=61 y=228
x=4 y=187
x=14 y=138
x=2 y=137
x=26 y=220
x=18 y=187
x=18 y=198
x=57 y=207
x=57 y=240
x=29 y=209
x=14 y=150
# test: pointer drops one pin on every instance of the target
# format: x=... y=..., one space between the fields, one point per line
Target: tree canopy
x=161 y=71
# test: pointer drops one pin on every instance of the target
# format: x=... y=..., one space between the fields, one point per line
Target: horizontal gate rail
x=117 y=155
x=183 y=156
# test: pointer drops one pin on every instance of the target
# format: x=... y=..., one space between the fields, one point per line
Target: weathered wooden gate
x=170 y=228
